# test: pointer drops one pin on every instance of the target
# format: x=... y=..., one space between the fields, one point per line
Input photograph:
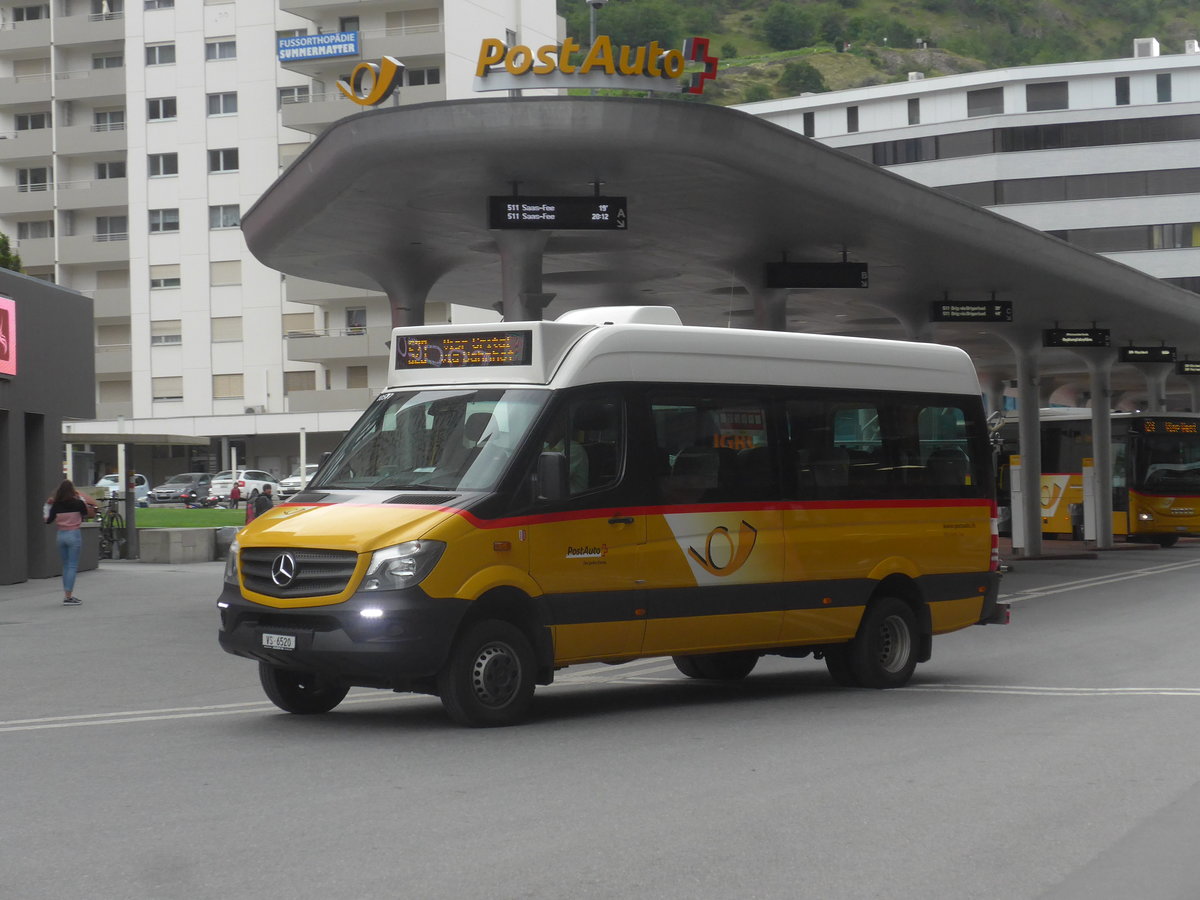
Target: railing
x=106 y=17
x=111 y=236
x=34 y=188
x=108 y=126
x=325 y=332
x=36 y=78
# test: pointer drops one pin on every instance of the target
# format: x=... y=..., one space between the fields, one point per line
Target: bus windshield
x=1168 y=464
x=446 y=439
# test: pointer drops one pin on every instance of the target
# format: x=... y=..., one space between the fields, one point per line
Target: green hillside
x=779 y=48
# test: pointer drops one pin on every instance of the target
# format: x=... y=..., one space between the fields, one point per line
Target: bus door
x=714 y=554
x=585 y=548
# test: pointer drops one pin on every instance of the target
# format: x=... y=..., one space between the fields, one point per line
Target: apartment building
x=132 y=135
x=1103 y=154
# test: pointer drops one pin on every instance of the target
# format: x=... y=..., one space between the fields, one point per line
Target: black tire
x=884 y=652
x=733 y=666
x=488 y=680
x=1166 y=540
x=837 y=661
x=302 y=693
x=687 y=666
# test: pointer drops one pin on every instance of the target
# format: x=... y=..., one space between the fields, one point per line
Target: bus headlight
x=231 y=564
x=402 y=565
x=1145 y=517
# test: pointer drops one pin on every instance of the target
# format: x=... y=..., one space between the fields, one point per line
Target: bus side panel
x=727 y=559
x=1060 y=491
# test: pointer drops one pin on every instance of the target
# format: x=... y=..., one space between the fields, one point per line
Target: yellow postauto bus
x=614 y=485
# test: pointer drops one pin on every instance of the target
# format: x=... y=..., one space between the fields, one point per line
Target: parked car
x=111 y=484
x=186 y=487
x=293 y=483
x=250 y=483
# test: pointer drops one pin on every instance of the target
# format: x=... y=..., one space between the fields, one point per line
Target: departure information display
x=469 y=349
x=1171 y=426
x=575 y=213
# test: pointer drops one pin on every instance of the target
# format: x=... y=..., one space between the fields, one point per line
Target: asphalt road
x=1053 y=758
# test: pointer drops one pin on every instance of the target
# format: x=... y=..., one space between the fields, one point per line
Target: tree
x=9 y=259
x=787 y=27
x=800 y=78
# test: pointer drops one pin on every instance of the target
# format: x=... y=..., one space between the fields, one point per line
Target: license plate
x=279 y=641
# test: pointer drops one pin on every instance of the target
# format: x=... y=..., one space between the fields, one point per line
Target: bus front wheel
x=303 y=693
x=883 y=653
x=488 y=680
x=1166 y=540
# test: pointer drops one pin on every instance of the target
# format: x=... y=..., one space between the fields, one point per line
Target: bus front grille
x=290 y=573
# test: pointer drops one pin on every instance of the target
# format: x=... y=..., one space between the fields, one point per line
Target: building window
x=810 y=124
x=222 y=48
x=35 y=179
x=226 y=328
x=987 y=102
x=108 y=60
x=227 y=216
x=165 y=332
x=31 y=121
x=108 y=120
x=165 y=277
x=160 y=4
x=225 y=160
x=112 y=228
x=228 y=387
x=417 y=77
x=356 y=377
x=160 y=109
x=28 y=231
x=1122 y=90
x=160 y=164
x=112 y=335
x=298 y=94
x=356 y=320
x=164 y=220
x=852 y=118
x=107 y=170
x=299 y=381
x=298 y=324
x=222 y=104
x=160 y=55
x=914 y=111
x=290 y=33
x=1047 y=95
x=31 y=13
x=108 y=9
x=348 y=23
x=168 y=388
x=1163 y=85
x=226 y=271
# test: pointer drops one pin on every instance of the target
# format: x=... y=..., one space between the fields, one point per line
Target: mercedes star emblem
x=283 y=569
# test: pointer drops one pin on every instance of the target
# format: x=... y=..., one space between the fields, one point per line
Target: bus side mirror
x=551 y=477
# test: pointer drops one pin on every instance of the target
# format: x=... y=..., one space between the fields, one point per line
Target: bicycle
x=112 y=527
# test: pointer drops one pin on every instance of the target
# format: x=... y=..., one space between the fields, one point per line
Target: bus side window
x=589 y=433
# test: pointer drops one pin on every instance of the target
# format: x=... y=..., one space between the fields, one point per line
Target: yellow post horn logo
x=385 y=78
x=738 y=554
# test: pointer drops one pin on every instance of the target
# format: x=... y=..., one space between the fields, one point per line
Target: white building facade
x=133 y=133
x=1104 y=154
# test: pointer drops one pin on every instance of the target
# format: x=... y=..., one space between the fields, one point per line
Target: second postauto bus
x=614 y=485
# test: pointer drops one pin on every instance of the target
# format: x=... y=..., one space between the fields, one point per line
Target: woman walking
x=67 y=511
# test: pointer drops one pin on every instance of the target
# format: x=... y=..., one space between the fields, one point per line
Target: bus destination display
x=575 y=213
x=466 y=350
x=1171 y=426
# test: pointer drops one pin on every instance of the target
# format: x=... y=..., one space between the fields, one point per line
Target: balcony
x=319 y=111
x=76 y=140
x=21 y=200
x=403 y=43
x=302 y=290
x=25 y=35
x=116 y=359
x=25 y=89
x=20 y=145
x=34 y=252
x=109 y=411
x=89 y=29
x=89 y=84
x=330 y=401
x=338 y=345
x=110 y=303
x=105 y=192
x=81 y=249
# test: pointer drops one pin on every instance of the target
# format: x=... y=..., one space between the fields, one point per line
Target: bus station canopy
x=396 y=199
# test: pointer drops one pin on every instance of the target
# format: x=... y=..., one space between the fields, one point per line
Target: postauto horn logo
x=648 y=68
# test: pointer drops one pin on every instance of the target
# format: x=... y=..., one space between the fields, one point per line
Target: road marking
x=1038 y=691
x=1084 y=583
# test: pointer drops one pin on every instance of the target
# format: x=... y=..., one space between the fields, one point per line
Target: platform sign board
x=966 y=311
x=1147 y=354
x=815 y=275
x=570 y=213
x=1078 y=337
x=1187 y=367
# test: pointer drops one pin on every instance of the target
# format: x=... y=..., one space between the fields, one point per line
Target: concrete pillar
x=770 y=309
x=1156 y=384
x=1029 y=430
x=521 y=296
x=1193 y=383
x=1100 y=363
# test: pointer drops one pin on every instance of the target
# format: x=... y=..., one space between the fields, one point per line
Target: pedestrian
x=263 y=501
x=235 y=494
x=67 y=511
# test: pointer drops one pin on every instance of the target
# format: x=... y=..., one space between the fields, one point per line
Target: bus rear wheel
x=717 y=666
x=302 y=693
x=883 y=653
x=488 y=681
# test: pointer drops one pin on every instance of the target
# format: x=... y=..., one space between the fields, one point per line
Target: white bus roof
x=620 y=344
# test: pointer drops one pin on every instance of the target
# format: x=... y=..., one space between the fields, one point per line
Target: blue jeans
x=69 y=545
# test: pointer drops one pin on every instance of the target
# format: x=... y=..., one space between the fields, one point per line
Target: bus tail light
x=995 y=563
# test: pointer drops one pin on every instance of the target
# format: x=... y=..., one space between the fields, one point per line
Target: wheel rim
x=895 y=644
x=496 y=675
